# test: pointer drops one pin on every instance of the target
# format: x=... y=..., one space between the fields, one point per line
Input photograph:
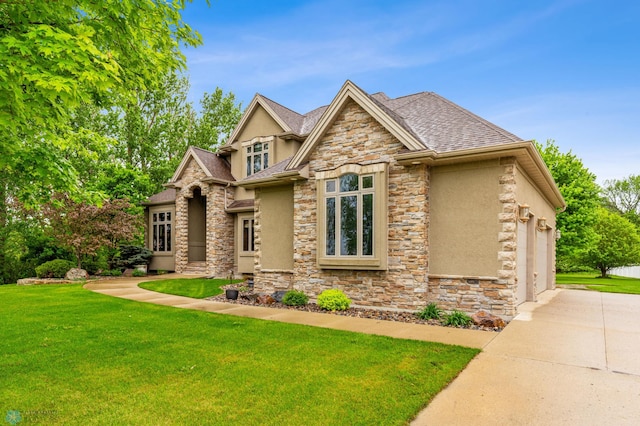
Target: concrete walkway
x=127 y=288
x=572 y=358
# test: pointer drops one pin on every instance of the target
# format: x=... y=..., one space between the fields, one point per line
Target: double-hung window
x=352 y=220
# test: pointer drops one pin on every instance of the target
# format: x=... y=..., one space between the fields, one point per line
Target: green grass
x=198 y=288
x=592 y=281
x=69 y=356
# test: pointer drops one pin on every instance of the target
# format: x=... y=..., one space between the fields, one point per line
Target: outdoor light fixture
x=542 y=224
x=557 y=234
x=523 y=213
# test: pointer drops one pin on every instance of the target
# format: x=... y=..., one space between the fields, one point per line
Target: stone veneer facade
x=356 y=137
x=219 y=224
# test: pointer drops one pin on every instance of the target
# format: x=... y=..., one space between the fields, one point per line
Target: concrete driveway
x=572 y=358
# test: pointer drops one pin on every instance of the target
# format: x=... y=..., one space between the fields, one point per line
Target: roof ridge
x=280 y=105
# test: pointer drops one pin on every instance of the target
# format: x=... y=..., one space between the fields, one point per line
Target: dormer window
x=257 y=156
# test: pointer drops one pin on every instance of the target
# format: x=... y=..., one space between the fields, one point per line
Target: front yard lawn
x=70 y=356
x=198 y=288
x=592 y=281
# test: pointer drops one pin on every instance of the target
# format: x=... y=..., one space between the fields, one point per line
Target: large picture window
x=349 y=215
x=161 y=234
x=352 y=217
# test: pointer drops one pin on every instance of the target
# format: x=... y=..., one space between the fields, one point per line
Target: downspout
x=225 y=196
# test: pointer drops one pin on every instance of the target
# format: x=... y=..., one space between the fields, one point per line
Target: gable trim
x=185 y=161
x=257 y=100
x=350 y=91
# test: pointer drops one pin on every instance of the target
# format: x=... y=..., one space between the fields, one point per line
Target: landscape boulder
x=485 y=319
x=266 y=300
x=76 y=274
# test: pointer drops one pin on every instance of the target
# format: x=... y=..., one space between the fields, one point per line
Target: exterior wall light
x=558 y=234
x=523 y=213
x=542 y=224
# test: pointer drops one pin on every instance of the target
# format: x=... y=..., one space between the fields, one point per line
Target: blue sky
x=567 y=70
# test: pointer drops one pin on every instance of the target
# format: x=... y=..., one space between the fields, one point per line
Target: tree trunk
x=603 y=271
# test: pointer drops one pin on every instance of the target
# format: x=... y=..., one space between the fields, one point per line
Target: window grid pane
x=331 y=227
x=349 y=225
x=349 y=183
x=367 y=224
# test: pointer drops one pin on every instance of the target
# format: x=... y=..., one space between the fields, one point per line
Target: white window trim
x=377 y=261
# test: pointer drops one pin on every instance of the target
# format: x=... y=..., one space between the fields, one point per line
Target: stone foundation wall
x=471 y=294
x=268 y=281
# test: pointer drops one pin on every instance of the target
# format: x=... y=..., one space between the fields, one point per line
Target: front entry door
x=197 y=227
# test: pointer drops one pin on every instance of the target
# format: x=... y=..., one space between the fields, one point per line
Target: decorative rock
x=278 y=295
x=251 y=297
x=485 y=319
x=77 y=274
x=265 y=299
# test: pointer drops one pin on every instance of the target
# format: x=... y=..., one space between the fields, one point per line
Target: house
x=397 y=202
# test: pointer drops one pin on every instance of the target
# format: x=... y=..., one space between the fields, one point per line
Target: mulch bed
x=357 y=312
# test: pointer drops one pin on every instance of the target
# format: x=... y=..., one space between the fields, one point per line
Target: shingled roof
x=298 y=123
x=444 y=126
x=217 y=168
x=437 y=123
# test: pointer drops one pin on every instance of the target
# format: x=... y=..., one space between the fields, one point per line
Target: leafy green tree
x=152 y=134
x=59 y=56
x=84 y=229
x=581 y=193
x=219 y=115
x=617 y=242
x=623 y=196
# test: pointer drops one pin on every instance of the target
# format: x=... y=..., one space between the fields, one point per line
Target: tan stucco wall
x=527 y=193
x=276 y=227
x=464 y=226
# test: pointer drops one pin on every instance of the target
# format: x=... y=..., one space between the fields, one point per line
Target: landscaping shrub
x=431 y=311
x=295 y=298
x=111 y=273
x=130 y=256
x=138 y=273
x=334 y=300
x=54 y=268
x=457 y=319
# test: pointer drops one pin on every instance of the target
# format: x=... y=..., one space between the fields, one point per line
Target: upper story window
x=257 y=157
x=161 y=234
x=352 y=217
